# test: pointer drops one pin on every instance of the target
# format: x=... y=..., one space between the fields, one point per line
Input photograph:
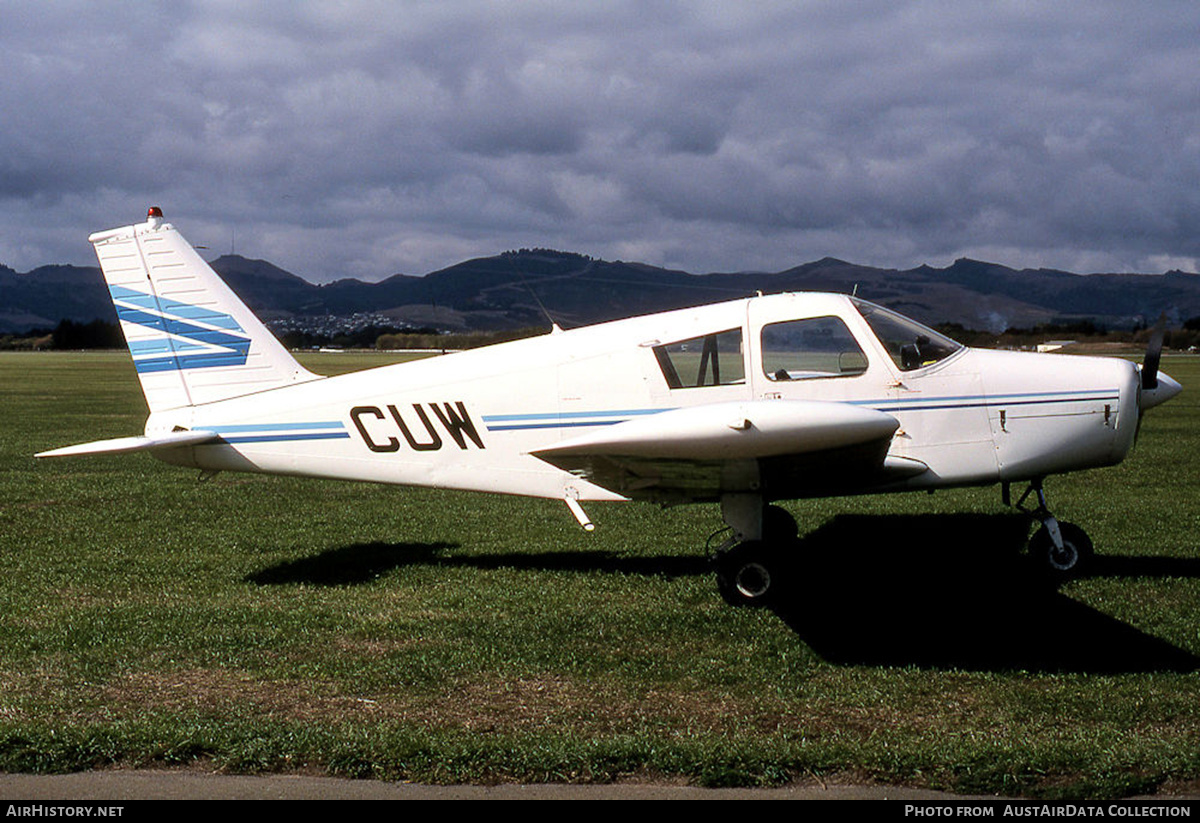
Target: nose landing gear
x=1062 y=548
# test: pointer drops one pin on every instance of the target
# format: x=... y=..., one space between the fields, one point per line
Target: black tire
x=1068 y=562
x=779 y=525
x=748 y=575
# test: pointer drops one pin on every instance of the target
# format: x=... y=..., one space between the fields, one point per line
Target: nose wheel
x=1063 y=549
x=1067 y=560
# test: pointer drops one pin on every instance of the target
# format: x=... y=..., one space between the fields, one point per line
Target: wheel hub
x=1065 y=558
x=753 y=580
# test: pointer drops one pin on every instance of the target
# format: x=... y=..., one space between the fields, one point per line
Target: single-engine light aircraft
x=742 y=403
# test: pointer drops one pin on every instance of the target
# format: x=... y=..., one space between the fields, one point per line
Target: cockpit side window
x=810 y=348
x=911 y=345
x=709 y=360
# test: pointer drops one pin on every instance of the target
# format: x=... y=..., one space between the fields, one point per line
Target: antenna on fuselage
x=554 y=327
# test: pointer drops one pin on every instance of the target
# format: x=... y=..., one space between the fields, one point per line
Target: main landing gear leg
x=748 y=562
x=1063 y=548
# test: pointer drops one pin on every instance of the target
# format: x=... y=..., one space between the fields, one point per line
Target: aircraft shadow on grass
x=363 y=562
x=357 y=563
x=937 y=591
x=956 y=591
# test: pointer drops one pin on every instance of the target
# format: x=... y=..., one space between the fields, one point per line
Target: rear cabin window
x=810 y=348
x=710 y=360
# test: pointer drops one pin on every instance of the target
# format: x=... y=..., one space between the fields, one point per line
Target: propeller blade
x=1153 y=354
x=1155 y=390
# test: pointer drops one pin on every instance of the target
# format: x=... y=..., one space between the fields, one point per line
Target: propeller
x=1155 y=388
x=1153 y=355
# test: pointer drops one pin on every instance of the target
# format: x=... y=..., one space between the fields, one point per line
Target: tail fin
x=192 y=340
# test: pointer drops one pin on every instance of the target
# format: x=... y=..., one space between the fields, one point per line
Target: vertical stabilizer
x=192 y=340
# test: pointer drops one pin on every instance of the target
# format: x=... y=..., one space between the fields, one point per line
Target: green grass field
x=275 y=624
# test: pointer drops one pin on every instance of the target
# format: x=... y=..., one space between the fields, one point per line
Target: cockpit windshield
x=910 y=344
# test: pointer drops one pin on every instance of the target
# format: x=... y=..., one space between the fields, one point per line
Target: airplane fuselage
x=472 y=419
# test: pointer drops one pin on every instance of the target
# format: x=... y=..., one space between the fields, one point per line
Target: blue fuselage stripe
x=503 y=418
x=911 y=405
x=277 y=432
x=279 y=438
x=553 y=425
x=271 y=427
x=570 y=420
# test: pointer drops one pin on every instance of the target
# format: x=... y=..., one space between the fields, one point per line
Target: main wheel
x=747 y=575
x=1071 y=559
x=778 y=524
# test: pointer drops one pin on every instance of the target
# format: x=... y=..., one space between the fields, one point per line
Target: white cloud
x=350 y=137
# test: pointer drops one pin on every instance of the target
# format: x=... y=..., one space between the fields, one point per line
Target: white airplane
x=742 y=403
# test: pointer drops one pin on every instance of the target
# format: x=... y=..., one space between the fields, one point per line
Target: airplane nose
x=1167 y=388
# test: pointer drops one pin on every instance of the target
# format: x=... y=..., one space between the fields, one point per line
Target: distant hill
x=510 y=289
x=48 y=294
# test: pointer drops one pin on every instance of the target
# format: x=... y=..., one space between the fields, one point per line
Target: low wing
x=780 y=448
x=121 y=445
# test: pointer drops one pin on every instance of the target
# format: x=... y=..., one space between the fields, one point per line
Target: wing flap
x=122 y=445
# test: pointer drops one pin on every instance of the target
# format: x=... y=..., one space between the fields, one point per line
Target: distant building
x=1054 y=345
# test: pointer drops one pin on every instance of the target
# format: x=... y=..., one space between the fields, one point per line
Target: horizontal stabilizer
x=121 y=445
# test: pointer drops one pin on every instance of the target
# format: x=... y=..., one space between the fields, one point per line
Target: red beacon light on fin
x=154 y=211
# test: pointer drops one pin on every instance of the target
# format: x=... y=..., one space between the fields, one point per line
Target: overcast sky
x=364 y=139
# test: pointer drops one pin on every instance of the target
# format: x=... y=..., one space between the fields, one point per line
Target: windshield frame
x=910 y=345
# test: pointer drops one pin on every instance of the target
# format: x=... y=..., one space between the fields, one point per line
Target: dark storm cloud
x=367 y=138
